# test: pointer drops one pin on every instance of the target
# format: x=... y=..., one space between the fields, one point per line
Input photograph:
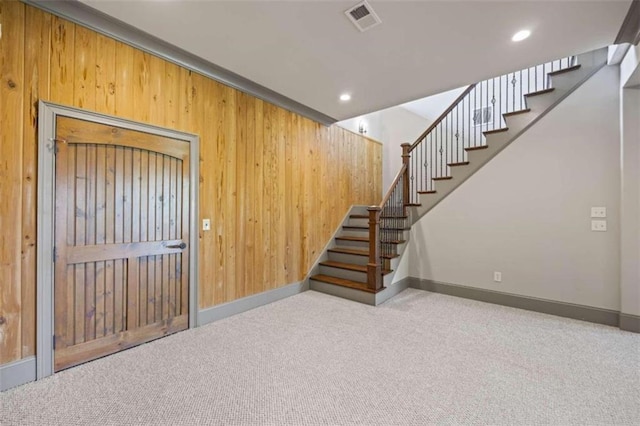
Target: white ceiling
x=431 y=107
x=310 y=52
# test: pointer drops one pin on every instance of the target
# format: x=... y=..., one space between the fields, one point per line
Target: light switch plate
x=206 y=224
x=599 y=225
x=598 y=212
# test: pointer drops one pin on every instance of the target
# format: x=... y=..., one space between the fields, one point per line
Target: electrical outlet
x=599 y=225
x=206 y=224
x=497 y=277
x=598 y=212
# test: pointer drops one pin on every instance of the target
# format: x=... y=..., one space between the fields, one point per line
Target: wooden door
x=121 y=234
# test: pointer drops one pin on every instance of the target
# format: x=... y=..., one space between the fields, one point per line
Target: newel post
x=406 y=156
x=374 y=267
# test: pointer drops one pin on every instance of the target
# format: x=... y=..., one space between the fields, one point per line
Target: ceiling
x=431 y=107
x=309 y=51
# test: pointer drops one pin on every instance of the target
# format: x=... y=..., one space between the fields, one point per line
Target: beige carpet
x=421 y=358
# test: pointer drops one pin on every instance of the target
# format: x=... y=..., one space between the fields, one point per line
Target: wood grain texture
x=36 y=71
x=84 y=216
x=275 y=185
x=11 y=133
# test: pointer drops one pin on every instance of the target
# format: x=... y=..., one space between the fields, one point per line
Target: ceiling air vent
x=363 y=16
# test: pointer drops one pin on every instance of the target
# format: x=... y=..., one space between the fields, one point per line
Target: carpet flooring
x=313 y=359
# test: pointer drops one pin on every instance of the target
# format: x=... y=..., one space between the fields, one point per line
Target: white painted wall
x=392 y=127
x=630 y=183
x=527 y=213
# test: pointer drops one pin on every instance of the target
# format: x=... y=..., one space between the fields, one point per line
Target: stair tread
x=413 y=204
x=562 y=71
x=461 y=163
x=350 y=266
x=355 y=227
x=393 y=217
x=427 y=192
x=343 y=282
x=359 y=216
x=474 y=148
x=442 y=178
x=344 y=265
x=520 y=111
x=541 y=92
x=491 y=132
x=365 y=239
x=345 y=250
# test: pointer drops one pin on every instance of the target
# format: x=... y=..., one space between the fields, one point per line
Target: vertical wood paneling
x=110 y=238
x=127 y=75
x=241 y=194
x=105 y=84
x=275 y=185
x=84 y=82
x=11 y=133
x=248 y=192
x=229 y=194
x=101 y=238
x=62 y=60
x=260 y=218
x=36 y=72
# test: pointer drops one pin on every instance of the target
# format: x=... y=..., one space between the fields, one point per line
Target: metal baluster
x=463 y=140
x=433 y=163
x=446 y=145
x=520 y=94
x=457 y=133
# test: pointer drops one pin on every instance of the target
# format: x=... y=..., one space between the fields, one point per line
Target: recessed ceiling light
x=521 y=35
x=345 y=97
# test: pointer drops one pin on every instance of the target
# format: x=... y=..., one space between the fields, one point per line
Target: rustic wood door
x=121 y=233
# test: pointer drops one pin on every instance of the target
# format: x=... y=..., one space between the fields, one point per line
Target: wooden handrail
x=393 y=185
x=442 y=116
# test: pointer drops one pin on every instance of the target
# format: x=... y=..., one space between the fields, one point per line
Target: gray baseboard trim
x=393 y=290
x=630 y=322
x=17 y=373
x=102 y=23
x=562 y=309
x=215 y=313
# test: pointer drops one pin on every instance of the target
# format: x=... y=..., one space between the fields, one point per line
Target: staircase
x=360 y=261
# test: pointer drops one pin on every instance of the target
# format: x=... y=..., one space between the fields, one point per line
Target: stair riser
x=358 y=222
x=540 y=103
x=348 y=258
x=344 y=273
x=518 y=121
x=346 y=293
x=348 y=232
x=353 y=244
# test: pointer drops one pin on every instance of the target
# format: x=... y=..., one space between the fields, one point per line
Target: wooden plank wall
x=274 y=184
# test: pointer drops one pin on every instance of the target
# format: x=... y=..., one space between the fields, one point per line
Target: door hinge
x=55 y=144
x=53 y=341
x=55 y=254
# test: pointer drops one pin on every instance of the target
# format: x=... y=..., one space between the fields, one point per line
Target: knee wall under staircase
x=341 y=269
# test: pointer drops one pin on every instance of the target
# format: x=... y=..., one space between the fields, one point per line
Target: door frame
x=47 y=114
